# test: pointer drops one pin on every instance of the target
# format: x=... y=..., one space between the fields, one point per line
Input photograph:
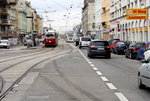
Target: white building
x=98 y=19
x=88 y=16
x=129 y=30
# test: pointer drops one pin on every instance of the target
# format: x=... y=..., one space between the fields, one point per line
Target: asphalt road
x=74 y=77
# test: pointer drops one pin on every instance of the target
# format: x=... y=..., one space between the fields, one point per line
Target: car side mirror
x=144 y=61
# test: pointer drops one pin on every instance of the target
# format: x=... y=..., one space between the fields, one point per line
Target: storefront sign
x=133 y=30
x=136 y=17
x=136 y=29
x=137 y=12
x=145 y=28
x=141 y=29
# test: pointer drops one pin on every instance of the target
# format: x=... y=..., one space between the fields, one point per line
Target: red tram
x=51 y=38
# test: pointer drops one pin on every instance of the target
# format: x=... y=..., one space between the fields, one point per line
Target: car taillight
x=108 y=47
x=92 y=47
x=80 y=42
x=147 y=46
x=134 y=49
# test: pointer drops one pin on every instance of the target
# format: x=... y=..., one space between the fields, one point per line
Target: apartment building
x=98 y=19
x=105 y=14
x=22 y=20
x=129 y=30
x=88 y=17
x=8 y=25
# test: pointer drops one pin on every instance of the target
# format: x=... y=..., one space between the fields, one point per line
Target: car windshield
x=97 y=43
x=3 y=41
x=85 y=39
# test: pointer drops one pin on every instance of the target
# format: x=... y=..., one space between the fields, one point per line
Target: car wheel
x=140 y=85
x=90 y=56
x=79 y=47
x=108 y=56
x=137 y=57
x=131 y=56
x=118 y=52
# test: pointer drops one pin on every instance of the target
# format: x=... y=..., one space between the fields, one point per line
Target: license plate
x=100 y=48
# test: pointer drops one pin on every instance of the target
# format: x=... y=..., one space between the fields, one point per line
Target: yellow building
x=38 y=24
x=105 y=19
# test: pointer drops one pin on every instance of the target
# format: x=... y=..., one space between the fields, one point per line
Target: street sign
x=136 y=17
x=137 y=12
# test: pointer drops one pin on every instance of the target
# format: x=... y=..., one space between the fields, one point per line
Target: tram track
x=32 y=54
x=4 y=93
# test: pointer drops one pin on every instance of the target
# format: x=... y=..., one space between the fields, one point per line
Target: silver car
x=144 y=74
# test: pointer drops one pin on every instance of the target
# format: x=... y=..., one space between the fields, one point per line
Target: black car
x=120 y=47
x=99 y=48
x=131 y=51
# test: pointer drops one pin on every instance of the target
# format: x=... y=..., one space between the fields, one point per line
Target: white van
x=84 y=42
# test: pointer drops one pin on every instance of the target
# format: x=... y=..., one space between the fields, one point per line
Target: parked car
x=111 y=40
x=120 y=47
x=76 y=41
x=112 y=46
x=84 y=42
x=29 y=43
x=144 y=71
x=99 y=48
x=131 y=51
x=5 y=44
x=143 y=47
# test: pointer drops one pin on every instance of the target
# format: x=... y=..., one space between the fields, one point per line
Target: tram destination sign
x=137 y=12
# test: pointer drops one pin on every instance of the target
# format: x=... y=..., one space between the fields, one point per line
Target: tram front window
x=50 y=36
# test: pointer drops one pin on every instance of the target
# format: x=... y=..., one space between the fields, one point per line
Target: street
x=65 y=73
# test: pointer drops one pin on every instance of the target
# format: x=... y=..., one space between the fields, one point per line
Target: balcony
x=12 y=1
x=3 y=1
x=8 y=1
x=4 y=11
x=7 y=22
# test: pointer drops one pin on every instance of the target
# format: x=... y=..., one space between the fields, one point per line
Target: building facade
x=8 y=20
x=98 y=19
x=88 y=17
x=22 y=20
x=105 y=14
x=129 y=30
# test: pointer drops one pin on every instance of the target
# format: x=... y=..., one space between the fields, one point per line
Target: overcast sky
x=59 y=11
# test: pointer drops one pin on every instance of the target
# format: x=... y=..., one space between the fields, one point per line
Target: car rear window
x=85 y=39
x=97 y=43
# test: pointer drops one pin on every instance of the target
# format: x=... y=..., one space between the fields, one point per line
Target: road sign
x=136 y=17
x=137 y=12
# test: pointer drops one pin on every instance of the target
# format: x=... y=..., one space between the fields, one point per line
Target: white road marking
x=95 y=68
x=92 y=65
x=99 y=73
x=111 y=86
x=89 y=62
x=104 y=78
x=121 y=97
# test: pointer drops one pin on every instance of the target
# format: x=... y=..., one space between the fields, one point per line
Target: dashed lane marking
x=92 y=65
x=121 y=97
x=99 y=73
x=111 y=86
x=104 y=79
x=95 y=68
